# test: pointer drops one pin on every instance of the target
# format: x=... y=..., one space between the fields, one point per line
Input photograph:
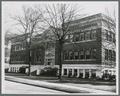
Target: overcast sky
x=13 y=8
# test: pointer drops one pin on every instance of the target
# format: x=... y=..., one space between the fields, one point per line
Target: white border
x=117 y=51
x=3 y=53
x=3 y=46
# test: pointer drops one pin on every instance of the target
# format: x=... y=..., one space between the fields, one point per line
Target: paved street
x=18 y=88
x=62 y=87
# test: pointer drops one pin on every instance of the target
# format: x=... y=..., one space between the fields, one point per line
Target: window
x=106 y=71
x=38 y=56
x=48 y=63
x=87 y=53
x=71 y=37
x=76 y=55
x=87 y=36
x=110 y=55
x=93 y=34
x=114 y=38
x=106 y=35
x=13 y=48
x=71 y=55
x=65 y=71
x=81 y=36
x=93 y=53
x=75 y=72
x=66 y=55
x=114 y=56
x=110 y=36
x=23 y=46
x=106 y=54
x=81 y=53
x=103 y=34
x=76 y=37
x=17 y=47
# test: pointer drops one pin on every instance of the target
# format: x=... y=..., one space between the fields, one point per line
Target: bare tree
x=59 y=18
x=29 y=24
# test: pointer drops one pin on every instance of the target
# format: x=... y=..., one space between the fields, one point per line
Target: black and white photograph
x=60 y=47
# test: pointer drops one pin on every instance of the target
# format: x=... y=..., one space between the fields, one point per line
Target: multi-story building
x=90 y=47
x=19 y=56
x=42 y=53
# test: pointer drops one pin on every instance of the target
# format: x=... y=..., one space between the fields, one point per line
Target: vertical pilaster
x=62 y=72
x=72 y=72
x=78 y=72
x=67 y=72
x=90 y=73
x=9 y=69
x=83 y=73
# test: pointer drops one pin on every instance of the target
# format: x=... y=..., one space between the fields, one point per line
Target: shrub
x=6 y=70
x=48 y=71
x=22 y=70
x=108 y=77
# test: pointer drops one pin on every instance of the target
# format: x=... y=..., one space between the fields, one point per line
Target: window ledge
x=82 y=60
x=81 y=41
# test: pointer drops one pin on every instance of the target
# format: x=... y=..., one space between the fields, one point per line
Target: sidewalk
x=56 y=86
x=64 y=79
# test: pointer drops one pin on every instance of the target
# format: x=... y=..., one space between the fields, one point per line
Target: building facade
x=19 y=57
x=90 y=47
x=42 y=53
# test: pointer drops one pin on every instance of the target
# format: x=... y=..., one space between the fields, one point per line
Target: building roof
x=92 y=17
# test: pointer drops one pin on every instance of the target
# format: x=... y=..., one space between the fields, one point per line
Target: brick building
x=90 y=47
x=19 y=54
x=42 y=53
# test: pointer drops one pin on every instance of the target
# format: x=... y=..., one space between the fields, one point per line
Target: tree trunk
x=29 y=56
x=29 y=62
x=60 y=59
